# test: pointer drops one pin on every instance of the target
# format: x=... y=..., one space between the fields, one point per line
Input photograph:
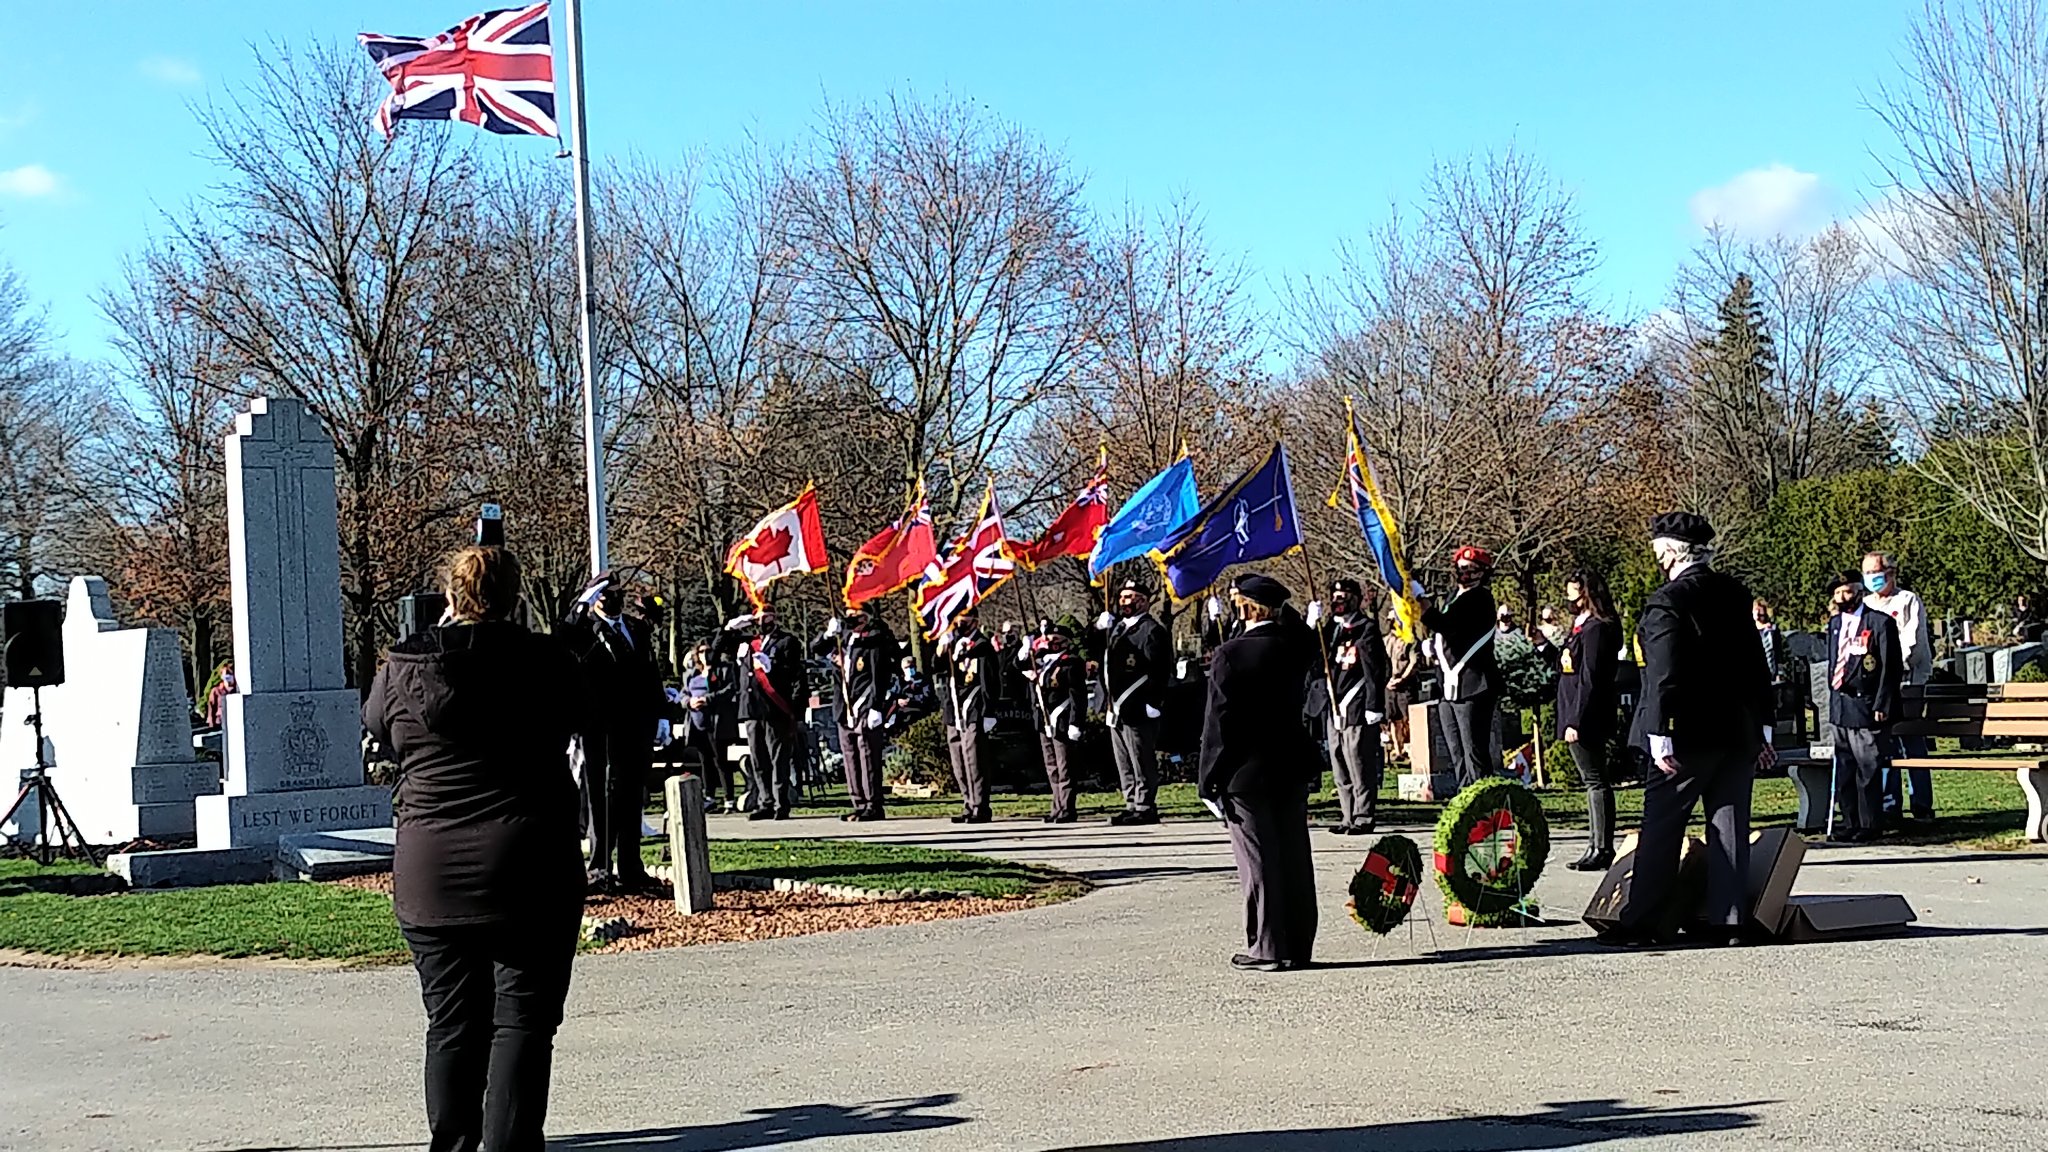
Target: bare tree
x=47 y=404
x=1968 y=299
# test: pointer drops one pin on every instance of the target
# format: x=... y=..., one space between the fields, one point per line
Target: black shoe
x=1359 y=830
x=1842 y=836
x=1600 y=862
x=1340 y=829
x=761 y=814
x=1069 y=818
x=867 y=814
x=633 y=883
x=782 y=813
x=1145 y=817
x=982 y=817
x=1124 y=819
x=1244 y=961
x=962 y=818
x=850 y=817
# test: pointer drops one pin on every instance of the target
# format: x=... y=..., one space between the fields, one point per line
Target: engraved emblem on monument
x=304 y=744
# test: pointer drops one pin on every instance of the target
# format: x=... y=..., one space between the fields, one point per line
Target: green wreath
x=1386 y=884
x=1491 y=843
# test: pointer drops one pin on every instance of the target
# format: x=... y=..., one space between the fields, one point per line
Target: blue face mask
x=1876 y=581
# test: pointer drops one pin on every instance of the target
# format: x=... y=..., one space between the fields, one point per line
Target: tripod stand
x=51 y=815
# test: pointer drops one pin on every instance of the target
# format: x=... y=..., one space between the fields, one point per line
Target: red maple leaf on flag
x=769 y=548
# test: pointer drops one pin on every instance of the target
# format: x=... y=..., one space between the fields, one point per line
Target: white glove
x=1105 y=622
x=764 y=663
x=1372 y=717
x=1315 y=613
x=1074 y=733
x=1214 y=808
x=1215 y=607
x=740 y=621
x=875 y=718
x=1151 y=713
x=988 y=725
x=834 y=626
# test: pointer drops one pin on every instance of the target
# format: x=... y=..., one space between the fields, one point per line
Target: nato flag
x=1253 y=519
x=1149 y=518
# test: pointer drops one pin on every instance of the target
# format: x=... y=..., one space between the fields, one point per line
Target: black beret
x=1347 y=584
x=1847 y=578
x=1262 y=590
x=1691 y=527
x=1136 y=585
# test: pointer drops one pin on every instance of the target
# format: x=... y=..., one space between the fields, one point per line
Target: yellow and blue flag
x=1253 y=519
x=1149 y=518
x=1376 y=524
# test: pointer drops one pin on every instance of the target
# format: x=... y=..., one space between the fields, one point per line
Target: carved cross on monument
x=283 y=551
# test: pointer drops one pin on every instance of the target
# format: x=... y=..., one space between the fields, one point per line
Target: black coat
x=1586 y=696
x=863 y=668
x=1870 y=676
x=967 y=674
x=1137 y=668
x=785 y=693
x=1358 y=667
x=479 y=718
x=1254 y=739
x=1059 y=692
x=1465 y=624
x=624 y=682
x=1705 y=683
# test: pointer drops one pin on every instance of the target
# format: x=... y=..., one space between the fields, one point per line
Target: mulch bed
x=747 y=915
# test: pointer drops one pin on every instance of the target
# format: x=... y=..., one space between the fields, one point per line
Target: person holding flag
x=862 y=652
x=1059 y=695
x=771 y=685
x=1356 y=662
x=1137 y=668
x=967 y=666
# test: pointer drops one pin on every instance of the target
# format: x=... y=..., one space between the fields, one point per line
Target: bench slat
x=2017 y=710
x=1967 y=763
x=2022 y=691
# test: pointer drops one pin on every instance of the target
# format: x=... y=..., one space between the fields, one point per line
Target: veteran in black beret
x=1257 y=762
x=1137 y=669
x=1703 y=716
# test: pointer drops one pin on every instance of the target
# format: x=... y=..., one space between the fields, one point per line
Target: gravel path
x=1113 y=1021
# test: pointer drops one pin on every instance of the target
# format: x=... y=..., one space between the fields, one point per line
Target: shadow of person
x=1559 y=1126
x=776 y=1127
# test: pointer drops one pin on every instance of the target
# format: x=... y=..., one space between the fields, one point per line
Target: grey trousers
x=1472 y=735
x=967 y=751
x=1269 y=841
x=1137 y=768
x=771 y=763
x=1724 y=787
x=1358 y=763
x=863 y=750
x=1859 y=777
x=1058 y=773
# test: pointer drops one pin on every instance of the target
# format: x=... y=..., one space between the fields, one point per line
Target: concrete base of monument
x=333 y=855
x=163 y=821
x=262 y=818
x=194 y=867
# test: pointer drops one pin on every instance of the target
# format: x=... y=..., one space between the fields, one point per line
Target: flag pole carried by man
x=496 y=71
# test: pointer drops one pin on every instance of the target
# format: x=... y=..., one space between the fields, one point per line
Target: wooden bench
x=1963 y=711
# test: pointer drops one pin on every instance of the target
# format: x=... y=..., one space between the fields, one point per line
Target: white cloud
x=27 y=181
x=172 y=70
x=1770 y=201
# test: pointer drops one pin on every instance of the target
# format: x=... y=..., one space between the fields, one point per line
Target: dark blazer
x=625 y=682
x=1586 y=696
x=967 y=674
x=785 y=675
x=863 y=667
x=1870 y=679
x=479 y=717
x=1137 y=668
x=1254 y=740
x=1060 y=692
x=1705 y=683
x=1466 y=618
x=1358 y=667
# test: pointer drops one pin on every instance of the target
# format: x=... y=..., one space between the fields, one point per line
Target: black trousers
x=717 y=773
x=771 y=762
x=1723 y=784
x=1057 y=754
x=1859 y=778
x=493 y=995
x=614 y=794
x=1473 y=738
x=1591 y=760
x=1276 y=871
x=968 y=751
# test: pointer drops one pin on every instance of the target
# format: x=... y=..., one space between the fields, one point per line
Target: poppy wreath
x=1491 y=843
x=1386 y=884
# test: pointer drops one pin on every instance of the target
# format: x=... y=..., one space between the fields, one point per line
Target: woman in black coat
x=1587 y=706
x=488 y=871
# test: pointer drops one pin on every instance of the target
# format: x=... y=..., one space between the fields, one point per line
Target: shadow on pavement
x=1818 y=854
x=1559 y=1126
x=776 y=1127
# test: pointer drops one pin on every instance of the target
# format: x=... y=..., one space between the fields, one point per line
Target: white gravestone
x=292 y=728
x=118 y=732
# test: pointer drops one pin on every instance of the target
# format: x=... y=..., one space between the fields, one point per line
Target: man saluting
x=1257 y=761
x=1704 y=715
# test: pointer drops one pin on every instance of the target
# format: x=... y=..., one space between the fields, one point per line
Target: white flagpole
x=593 y=413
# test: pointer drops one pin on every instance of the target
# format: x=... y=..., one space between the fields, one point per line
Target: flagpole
x=593 y=413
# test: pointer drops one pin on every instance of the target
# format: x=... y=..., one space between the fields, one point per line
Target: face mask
x=1876 y=581
x=1467 y=577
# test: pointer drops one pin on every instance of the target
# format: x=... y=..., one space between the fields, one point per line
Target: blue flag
x=1149 y=518
x=1253 y=519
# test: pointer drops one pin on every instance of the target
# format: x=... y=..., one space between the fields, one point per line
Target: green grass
x=1978 y=809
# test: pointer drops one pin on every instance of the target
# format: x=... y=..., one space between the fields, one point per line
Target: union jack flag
x=495 y=70
x=975 y=566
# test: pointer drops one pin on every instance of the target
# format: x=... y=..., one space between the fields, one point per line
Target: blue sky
x=1292 y=126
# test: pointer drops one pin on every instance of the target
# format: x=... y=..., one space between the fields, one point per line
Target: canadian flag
x=787 y=541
